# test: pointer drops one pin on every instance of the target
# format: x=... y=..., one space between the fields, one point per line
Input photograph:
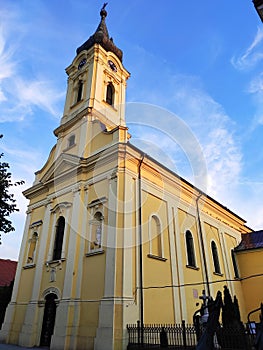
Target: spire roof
x=101 y=36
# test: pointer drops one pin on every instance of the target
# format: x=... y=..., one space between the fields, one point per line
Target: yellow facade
x=249 y=258
x=95 y=206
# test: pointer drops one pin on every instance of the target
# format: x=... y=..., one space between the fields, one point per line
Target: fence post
x=184 y=333
x=139 y=332
x=163 y=338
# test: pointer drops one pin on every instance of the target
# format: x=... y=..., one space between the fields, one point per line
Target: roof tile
x=7 y=272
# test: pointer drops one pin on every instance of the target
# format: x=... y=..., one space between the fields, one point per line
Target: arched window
x=32 y=248
x=79 y=92
x=215 y=257
x=96 y=232
x=234 y=262
x=190 y=249
x=110 y=94
x=59 y=238
x=156 y=238
x=71 y=141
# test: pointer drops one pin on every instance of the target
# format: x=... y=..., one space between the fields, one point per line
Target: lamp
x=259 y=8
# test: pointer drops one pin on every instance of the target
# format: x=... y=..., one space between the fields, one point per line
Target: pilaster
x=105 y=331
x=180 y=267
x=174 y=262
x=64 y=336
x=29 y=335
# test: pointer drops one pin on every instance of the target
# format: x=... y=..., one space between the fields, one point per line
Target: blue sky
x=197 y=64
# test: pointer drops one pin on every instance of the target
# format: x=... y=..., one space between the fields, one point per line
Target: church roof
x=101 y=36
x=251 y=240
x=7 y=272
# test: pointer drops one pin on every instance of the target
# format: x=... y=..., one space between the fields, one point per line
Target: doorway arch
x=48 y=319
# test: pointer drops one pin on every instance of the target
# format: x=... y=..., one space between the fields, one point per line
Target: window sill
x=76 y=103
x=109 y=105
x=29 y=266
x=95 y=252
x=58 y=261
x=69 y=147
x=156 y=257
x=218 y=274
x=193 y=267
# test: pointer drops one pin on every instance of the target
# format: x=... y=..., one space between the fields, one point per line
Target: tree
x=7 y=201
x=233 y=333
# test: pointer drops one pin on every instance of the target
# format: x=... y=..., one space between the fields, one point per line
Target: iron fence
x=186 y=336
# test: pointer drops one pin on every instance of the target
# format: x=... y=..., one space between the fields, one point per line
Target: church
x=111 y=235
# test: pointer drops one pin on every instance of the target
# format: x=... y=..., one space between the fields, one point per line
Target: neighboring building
x=7 y=276
x=81 y=265
x=249 y=268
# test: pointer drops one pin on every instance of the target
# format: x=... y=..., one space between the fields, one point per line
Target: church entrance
x=48 y=320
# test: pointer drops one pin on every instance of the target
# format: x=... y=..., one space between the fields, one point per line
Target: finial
x=103 y=12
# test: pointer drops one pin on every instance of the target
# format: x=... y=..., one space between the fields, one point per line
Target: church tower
x=97 y=79
x=96 y=90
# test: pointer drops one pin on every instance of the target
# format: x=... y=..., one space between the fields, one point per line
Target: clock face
x=82 y=63
x=112 y=66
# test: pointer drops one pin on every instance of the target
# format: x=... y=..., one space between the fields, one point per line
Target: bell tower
x=97 y=80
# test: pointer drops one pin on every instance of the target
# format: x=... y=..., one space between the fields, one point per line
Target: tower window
x=190 y=249
x=59 y=238
x=71 y=141
x=215 y=258
x=110 y=94
x=80 y=89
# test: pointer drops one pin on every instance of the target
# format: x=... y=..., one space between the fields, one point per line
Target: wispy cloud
x=23 y=163
x=252 y=55
x=256 y=90
x=198 y=140
x=21 y=93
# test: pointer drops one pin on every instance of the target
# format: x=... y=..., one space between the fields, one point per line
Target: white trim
x=51 y=290
x=155 y=216
x=93 y=222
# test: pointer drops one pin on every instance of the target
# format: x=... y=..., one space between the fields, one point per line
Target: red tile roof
x=251 y=240
x=7 y=272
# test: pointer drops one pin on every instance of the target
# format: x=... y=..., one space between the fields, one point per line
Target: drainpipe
x=140 y=246
x=202 y=244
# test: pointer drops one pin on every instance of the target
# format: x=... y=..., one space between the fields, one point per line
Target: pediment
x=64 y=164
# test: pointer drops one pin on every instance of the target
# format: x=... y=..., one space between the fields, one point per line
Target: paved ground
x=16 y=347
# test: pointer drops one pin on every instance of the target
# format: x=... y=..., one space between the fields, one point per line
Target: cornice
x=73 y=119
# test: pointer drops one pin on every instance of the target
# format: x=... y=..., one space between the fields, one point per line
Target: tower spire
x=101 y=36
x=102 y=28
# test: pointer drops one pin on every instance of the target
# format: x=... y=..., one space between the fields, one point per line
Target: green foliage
x=7 y=200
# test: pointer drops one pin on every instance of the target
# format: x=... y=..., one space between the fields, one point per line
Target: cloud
x=21 y=93
x=198 y=140
x=214 y=130
x=256 y=90
x=253 y=54
x=38 y=93
x=24 y=161
x=7 y=66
